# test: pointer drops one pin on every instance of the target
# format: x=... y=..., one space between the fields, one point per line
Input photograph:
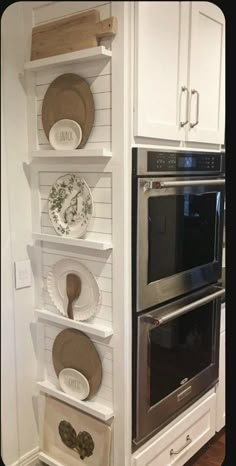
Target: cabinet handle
x=185 y=89
x=188 y=441
x=159 y=319
x=148 y=185
x=194 y=91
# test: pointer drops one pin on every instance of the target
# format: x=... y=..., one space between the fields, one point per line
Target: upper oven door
x=179 y=236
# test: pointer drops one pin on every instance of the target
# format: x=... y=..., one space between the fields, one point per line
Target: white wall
x=9 y=421
x=18 y=424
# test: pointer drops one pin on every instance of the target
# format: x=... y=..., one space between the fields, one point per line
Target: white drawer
x=222 y=319
x=198 y=424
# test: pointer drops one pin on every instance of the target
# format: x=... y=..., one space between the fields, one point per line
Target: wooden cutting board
x=77 y=32
x=69 y=96
x=75 y=350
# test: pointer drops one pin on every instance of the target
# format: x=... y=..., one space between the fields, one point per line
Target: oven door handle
x=160 y=320
x=148 y=184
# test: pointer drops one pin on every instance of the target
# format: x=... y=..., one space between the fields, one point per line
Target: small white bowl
x=65 y=135
x=74 y=383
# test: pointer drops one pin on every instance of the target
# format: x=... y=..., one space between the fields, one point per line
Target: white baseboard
x=29 y=459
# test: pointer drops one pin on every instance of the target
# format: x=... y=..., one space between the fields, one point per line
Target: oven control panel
x=183 y=162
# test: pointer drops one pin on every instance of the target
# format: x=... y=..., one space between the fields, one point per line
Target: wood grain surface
x=211 y=454
x=76 y=32
x=75 y=350
x=69 y=96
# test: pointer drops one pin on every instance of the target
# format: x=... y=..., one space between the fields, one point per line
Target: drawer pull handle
x=188 y=441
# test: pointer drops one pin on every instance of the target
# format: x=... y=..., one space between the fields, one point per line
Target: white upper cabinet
x=179 y=71
x=206 y=74
x=161 y=69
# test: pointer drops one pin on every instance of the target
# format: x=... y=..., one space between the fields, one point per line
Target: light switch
x=22 y=274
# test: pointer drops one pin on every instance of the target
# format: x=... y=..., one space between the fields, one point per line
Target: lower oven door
x=179 y=237
x=177 y=358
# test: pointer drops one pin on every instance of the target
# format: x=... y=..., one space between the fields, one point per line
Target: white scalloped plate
x=74 y=383
x=88 y=303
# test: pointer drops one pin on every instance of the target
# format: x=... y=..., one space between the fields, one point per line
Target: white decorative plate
x=74 y=383
x=65 y=135
x=88 y=303
x=70 y=205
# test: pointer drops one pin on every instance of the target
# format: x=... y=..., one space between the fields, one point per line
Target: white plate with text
x=74 y=383
x=65 y=135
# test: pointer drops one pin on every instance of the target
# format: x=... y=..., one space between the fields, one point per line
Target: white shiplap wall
x=57 y=10
x=97 y=74
x=104 y=394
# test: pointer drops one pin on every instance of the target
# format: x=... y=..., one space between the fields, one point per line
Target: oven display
x=186 y=162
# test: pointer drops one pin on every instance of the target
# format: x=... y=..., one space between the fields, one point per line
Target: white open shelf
x=86 y=153
x=83 y=243
x=48 y=459
x=97 y=410
x=92 y=329
x=93 y=53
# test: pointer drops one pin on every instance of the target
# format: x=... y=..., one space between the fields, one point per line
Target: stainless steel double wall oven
x=177 y=212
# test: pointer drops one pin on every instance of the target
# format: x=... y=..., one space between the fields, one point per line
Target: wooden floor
x=211 y=454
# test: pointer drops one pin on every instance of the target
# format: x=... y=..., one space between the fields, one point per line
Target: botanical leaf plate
x=88 y=303
x=70 y=205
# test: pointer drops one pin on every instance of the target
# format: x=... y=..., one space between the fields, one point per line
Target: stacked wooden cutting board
x=76 y=32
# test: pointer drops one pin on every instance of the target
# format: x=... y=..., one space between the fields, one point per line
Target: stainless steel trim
x=149 y=184
x=153 y=293
x=183 y=310
x=185 y=89
x=142 y=161
x=194 y=91
x=151 y=418
x=184 y=393
x=188 y=441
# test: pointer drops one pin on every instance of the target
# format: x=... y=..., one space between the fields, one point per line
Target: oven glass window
x=179 y=350
x=181 y=233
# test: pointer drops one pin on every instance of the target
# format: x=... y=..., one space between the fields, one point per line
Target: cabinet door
x=161 y=43
x=206 y=73
x=220 y=393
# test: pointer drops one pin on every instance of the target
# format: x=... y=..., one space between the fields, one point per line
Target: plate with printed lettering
x=65 y=135
x=73 y=349
x=69 y=97
x=74 y=383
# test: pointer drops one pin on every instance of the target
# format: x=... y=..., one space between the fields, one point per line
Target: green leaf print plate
x=70 y=205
